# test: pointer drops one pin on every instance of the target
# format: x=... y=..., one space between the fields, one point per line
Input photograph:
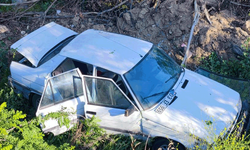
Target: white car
x=131 y=85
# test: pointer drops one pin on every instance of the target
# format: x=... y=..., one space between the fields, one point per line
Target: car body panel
x=75 y=106
x=203 y=108
x=114 y=120
x=155 y=129
x=107 y=50
x=34 y=78
x=111 y=118
x=36 y=44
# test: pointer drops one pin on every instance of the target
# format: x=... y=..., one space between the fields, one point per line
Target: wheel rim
x=163 y=147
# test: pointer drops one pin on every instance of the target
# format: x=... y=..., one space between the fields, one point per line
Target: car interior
x=87 y=69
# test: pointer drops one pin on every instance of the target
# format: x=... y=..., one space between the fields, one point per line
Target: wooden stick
x=105 y=11
x=46 y=11
x=239 y=4
x=13 y=4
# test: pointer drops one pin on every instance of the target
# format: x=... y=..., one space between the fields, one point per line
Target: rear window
x=22 y=60
x=55 y=50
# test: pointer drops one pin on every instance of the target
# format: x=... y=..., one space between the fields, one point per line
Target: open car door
x=106 y=101
x=63 y=92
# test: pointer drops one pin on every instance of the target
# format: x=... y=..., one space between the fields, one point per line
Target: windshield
x=153 y=77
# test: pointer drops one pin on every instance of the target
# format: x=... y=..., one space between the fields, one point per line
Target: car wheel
x=165 y=144
x=35 y=100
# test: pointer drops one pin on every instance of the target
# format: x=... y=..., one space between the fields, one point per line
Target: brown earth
x=167 y=24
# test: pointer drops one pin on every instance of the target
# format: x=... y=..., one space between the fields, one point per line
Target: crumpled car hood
x=203 y=108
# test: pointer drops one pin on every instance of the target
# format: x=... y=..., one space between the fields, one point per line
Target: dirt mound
x=169 y=26
x=165 y=23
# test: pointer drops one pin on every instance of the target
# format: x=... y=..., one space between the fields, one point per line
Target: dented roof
x=114 y=52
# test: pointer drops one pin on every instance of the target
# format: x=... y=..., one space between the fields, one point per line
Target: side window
x=69 y=64
x=62 y=87
x=104 y=92
x=65 y=66
x=116 y=78
x=48 y=96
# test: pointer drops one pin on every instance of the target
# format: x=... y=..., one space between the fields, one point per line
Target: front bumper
x=245 y=117
x=242 y=125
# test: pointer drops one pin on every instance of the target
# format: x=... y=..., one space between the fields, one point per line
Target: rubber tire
x=163 y=144
x=35 y=100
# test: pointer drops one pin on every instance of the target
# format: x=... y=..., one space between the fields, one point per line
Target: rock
x=241 y=32
x=99 y=27
x=83 y=26
x=237 y=50
x=246 y=26
x=3 y=29
x=110 y=29
x=170 y=32
x=127 y=18
x=58 y=12
x=75 y=20
x=143 y=12
x=23 y=32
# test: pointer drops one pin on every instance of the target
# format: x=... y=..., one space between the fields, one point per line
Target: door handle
x=91 y=112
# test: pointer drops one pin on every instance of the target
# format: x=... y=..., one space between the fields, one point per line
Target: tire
x=165 y=144
x=35 y=100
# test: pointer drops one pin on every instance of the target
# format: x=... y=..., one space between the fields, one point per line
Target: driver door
x=63 y=92
x=107 y=102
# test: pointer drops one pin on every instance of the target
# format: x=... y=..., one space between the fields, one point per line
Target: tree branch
x=105 y=11
x=239 y=4
x=14 y=4
x=46 y=11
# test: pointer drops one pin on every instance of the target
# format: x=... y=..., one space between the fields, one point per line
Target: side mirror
x=129 y=111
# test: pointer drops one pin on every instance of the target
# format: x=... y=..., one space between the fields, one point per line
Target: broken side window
x=62 y=87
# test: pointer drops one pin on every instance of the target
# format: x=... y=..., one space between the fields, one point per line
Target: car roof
x=114 y=52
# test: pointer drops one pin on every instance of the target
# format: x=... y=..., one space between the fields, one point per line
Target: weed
x=233 y=67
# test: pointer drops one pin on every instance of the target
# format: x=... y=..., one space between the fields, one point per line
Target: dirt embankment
x=166 y=23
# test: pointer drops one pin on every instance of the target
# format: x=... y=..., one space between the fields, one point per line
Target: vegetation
x=235 y=67
x=19 y=129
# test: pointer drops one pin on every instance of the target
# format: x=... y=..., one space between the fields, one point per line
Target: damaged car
x=131 y=85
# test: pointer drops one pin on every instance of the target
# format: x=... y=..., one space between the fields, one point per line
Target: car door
x=63 y=92
x=106 y=101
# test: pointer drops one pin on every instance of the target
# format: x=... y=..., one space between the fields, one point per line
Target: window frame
x=107 y=79
x=48 y=83
x=58 y=47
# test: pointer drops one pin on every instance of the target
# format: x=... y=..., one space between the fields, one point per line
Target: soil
x=166 y=24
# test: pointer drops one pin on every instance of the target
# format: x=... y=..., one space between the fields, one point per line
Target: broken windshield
x=153 y=77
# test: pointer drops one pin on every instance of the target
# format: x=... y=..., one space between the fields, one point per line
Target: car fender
x=156 y=130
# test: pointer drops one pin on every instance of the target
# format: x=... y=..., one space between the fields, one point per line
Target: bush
x=236 y=68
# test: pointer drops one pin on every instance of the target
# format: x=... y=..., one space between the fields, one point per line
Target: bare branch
x=46 y=11
x=105 y=11
x=14 y=4
x=239 y=4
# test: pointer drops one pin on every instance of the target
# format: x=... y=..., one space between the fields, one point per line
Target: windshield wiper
x=172 y=77
x=182 y=70
x=162 y=91
x=155 y=94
